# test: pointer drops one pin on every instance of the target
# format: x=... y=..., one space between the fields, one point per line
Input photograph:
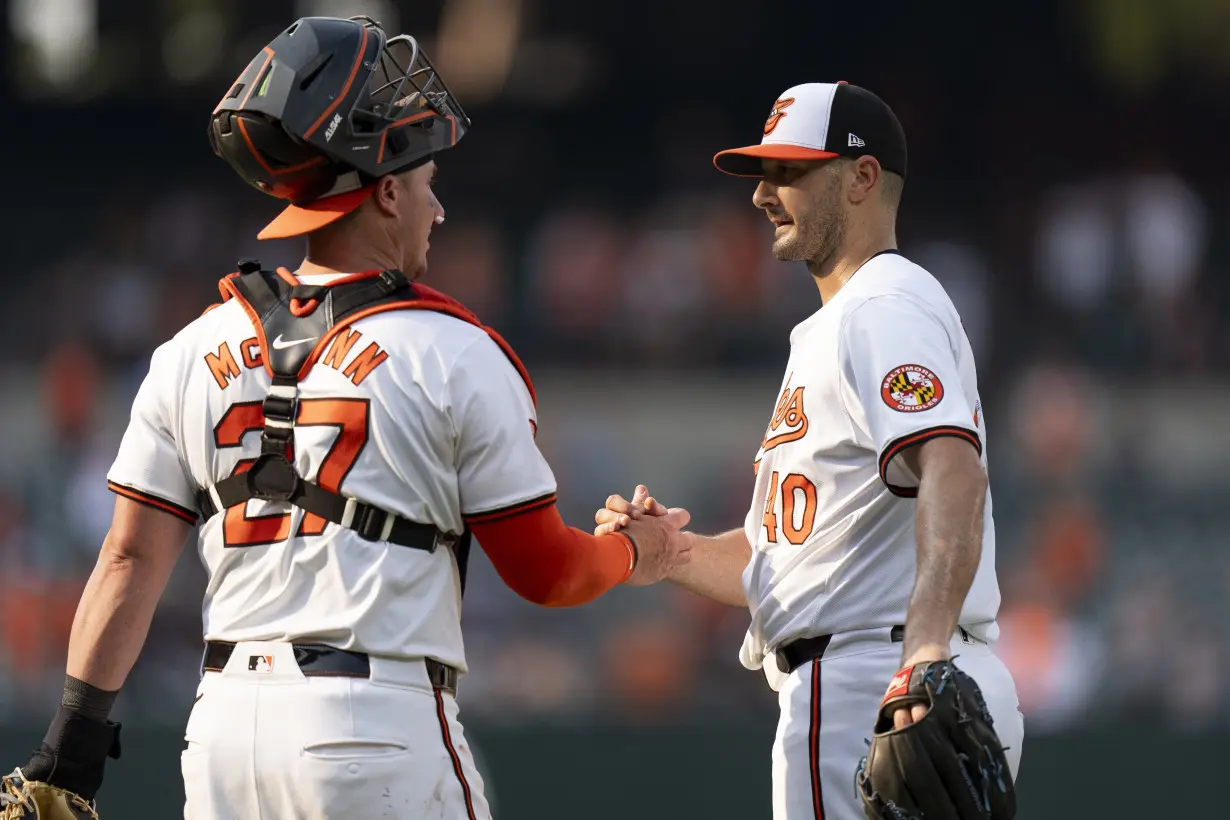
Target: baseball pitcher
x=338 y=434
x=867 y=559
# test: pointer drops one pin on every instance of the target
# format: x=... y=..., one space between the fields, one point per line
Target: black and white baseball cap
x=821 y=121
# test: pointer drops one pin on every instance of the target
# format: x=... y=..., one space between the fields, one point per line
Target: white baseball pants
x=828 y=708
x=270 y=744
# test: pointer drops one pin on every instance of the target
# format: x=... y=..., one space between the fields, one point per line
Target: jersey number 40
x=793 y=489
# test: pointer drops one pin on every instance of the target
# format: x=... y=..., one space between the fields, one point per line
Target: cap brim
x=297 y=220
x=746 y=162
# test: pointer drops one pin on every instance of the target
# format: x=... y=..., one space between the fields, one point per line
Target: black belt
x=796 y=653
x=319 y=661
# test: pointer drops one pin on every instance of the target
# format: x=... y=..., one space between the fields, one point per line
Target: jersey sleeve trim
x=149 y=500
x=897 y=446
x=501 y=513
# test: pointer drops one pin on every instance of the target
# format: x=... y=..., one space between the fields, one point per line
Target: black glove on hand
x=949 y=765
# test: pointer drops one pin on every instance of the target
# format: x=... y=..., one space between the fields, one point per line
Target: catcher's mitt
x=22 y=799
x=948 y=766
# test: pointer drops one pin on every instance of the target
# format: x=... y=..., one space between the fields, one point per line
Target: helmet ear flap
x=269 y=157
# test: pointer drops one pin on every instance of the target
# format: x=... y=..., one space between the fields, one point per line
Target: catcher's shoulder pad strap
x=295 y=324
x=292 y=319
x=286 y=313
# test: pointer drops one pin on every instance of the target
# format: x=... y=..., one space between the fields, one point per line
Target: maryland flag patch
x=911 y=388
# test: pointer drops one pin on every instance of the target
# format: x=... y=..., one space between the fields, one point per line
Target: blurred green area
x=720 y=771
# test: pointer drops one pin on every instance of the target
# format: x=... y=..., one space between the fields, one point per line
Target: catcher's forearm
x=948 y=524
x=114 y=615
x=113 y=618
x=716 y=567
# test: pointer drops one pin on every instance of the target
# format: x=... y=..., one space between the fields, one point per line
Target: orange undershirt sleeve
x=549 y=563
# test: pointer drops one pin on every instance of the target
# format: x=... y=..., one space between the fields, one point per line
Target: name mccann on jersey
x=223 y=365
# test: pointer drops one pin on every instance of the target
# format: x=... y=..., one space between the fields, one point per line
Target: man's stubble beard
x=818 y=233
x=812 y=243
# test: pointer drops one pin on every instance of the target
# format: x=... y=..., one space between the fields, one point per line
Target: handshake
x=662 y=547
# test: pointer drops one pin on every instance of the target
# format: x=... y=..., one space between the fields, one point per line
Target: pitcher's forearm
x=716 y=567
x=949 y=531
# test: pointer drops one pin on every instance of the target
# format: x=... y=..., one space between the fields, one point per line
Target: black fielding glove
x=949 y=765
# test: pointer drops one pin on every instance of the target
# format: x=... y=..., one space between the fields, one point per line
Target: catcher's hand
x=22 y=799
x=948 y=765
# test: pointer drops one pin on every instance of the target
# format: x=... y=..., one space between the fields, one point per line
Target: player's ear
x=387 y=195
x=864 y=175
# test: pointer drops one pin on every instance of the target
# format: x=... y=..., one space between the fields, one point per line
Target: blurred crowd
x=1101 y=347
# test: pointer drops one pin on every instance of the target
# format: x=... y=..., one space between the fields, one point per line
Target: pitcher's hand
x=662 y=548
x=620 y=512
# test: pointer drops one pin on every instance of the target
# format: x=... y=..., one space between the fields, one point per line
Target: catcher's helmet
x=327 y=108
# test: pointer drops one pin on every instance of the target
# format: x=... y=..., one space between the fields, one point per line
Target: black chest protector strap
x=293 y=319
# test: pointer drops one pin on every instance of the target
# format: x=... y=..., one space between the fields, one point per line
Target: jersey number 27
x=350 y=416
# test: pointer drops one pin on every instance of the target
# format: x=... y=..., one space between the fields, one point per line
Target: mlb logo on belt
x=260 y=663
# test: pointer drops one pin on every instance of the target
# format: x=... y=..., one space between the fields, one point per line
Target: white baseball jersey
x=884 y=365
x=416 y=412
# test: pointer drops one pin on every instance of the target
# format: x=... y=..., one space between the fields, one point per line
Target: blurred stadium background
x=1068 y=184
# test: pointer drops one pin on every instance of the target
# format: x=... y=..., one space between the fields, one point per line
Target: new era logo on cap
x=820 y=121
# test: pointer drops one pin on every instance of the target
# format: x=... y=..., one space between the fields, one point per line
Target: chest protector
x=279 y=306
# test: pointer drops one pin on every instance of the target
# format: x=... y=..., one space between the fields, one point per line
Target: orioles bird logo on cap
x=775 y=116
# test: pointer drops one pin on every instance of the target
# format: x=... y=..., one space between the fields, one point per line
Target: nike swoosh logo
x=278 y=344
